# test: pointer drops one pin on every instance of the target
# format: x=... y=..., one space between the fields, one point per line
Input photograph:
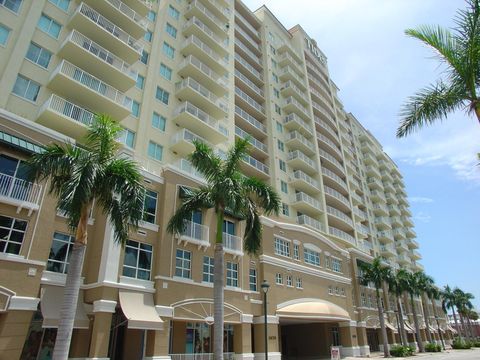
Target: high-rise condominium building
x=171 y=71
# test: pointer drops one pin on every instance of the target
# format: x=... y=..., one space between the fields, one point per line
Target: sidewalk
x=472 y=354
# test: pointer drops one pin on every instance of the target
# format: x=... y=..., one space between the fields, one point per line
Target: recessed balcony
x=195 y=26
x=333 y=180
x=65 y=117
x=372 y=171
x=248 y=86
x=247 y=103
x=306 y=203
x=253 y=59
x=326 y=158
x=95 y=26
x=293 y=122
x=374 y=183
x=284 y=47
x=339 y=219
x=258 y=148
x=196 y=234
x=192 y=91
x=394 y=210
x=290 y=89
x=359 y=214
x=399 y=234
x=294 y=140
x=410 y=233
x=247 y=40
x=194 y=46
x=401 y=246
x=413 y=244
x=356 y=199
x=196 y=8
x=232 y=244
x=198 y=121
x=336 y=198
x=376 y=195
x=20 y=193
x=325 y=143
x=98 y=61
x=299 y=161
x=396 y=221
x=340 y=234
x=246 y=24
x=383 y=222
x=385 y=236
x=407 y=221
x=368 y=159
x=380 y=210
x=253 y=73
x=362 y=230
x=193 y=67
x=310 y=222
x=250 y=123
x=254 y=167
x=387 y=250
x=304 y=182
x=293 y=106
x=182 y=142
x=89 y=91
x=403 y=259
x=288 y=73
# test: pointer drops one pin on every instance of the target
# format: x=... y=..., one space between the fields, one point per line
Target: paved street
x=446 y=355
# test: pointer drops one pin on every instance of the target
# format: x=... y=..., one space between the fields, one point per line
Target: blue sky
x=376 y=68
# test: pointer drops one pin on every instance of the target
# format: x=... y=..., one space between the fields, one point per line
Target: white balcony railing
x=250 y=119
x=256 y=164
x=232 y=243
x=340 y=215
x=206 y=30
x=300 y=175
x=21 y=190
x=249 y=100
x=256 y=143
x=307 y=220
x=249 y=67
x=201 y=115
x=129 y=12
x=290 y=118
x=302 y=197
x=192 y=39
x=332 y=192
x=68 y=109
x=202 y=90
x=249 y=82
x=335 y=177
x=341 y=234
x=200 y=356
x=297 y=154
x=196 y=232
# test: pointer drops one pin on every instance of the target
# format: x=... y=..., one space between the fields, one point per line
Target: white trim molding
x=21 y=259
x=158 y=357
x=271 y=356
x=350 y=351
x=165 y=311
x=23 y=303
x=107 y=306
x=271 y=319
x=361 y=324
x=247 y=319
x=351 y=323
x=244 y=356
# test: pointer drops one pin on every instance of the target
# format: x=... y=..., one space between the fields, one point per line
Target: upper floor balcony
x=383 y=222
x=250 y=123
x=240 y=19
x=198 y=121
x=248 y=86
x=252 y=58
x=89 y=91
x=294 y=122
x=404 y=259
x=299 y=161
x=410 y=233
x=232 y=244
x=391 y=198
x=196 y=8
x=196 y=234
x=339 y=218
x=287 y=59
x=377 y=195
x=95 y=26
x=295 y=140
x=291 y=105
x=388 y=186
x=304 y=182
x=331 y=160
x=342 y=235
x=404 y=210
x=325 y=143
x=366 y=246
x=186 y=167
x=356 y=199
x=140 y=6
x=401 y=246
x=196 y=47
x=399 y=234
x=387 y=250
x=247 y=40
x=290 y=89
x=193 y=67
x=396 y=221
x=394 y=210
x=310 y=222
x=374 y=183
x=407 y=221
x=385 y=236
x=288 y=73
x=248 y=103
x=328 y=128
x=324 y=115
x=182 y=142
x=254 y=74
x=338 y=199
x=191 y=90
x=417 y=266
x=413 y=244
x=332 y=179
x=254 y=167
x=372 y=171
x=360 y=214
x=380 y=210
x=284 y=47
x=195 y=26
x=368 y=159
x=258 y=148
x=306 y=203
x=20 y=193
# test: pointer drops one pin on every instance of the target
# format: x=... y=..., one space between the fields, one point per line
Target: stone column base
x=159 y=357
x=350 y=351
x=87 y=358
x=246 y=356
x=364 y=350
x=271 y=356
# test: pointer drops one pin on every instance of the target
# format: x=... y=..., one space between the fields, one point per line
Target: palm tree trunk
x=456 y=323
x=418 y=336
x=403 y=334
x=426 y=316
x=386 y=352
x=218 y=286
x=438 y=323
x=464 y=329
x=72 y=288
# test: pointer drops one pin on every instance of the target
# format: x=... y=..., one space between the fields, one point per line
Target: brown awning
x=390 y=326
x=313 y=309
x=139 y=309
x=409 y=328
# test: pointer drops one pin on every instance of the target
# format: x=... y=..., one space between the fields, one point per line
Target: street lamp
x=265 y=286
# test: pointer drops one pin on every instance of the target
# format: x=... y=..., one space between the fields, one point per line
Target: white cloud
x=423 y=217
x=420 y=199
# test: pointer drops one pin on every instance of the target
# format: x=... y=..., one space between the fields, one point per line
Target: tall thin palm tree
x=226 y=189
x=425 y=282
x=449 y=302
x=459 y=51
x=463 y=303
x=434 y=294
x=79 y=177
x=396 y=288
x=410 y=281
x=378 y=274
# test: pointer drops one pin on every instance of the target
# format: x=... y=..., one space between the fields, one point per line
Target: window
x=183 y=263
x=272 y=49
x=12 y=5
x=60 y=251
x=12 y=232
x=168 y=50
x=296 y=251
x=282 y=165
x=278 y=279
x=289 y=281
x=330 y=290
x=335 y=336
x=144 y=57
x=158 y=121
x=4 y=33
x=299 y=283
x=162 y=95
x=285 y=209
x=148 y=36
x=232 y=274
x=150 y=206
x=284 y=186
x=228 y=227
x=49 y=26
x=174 y=13
x=135 y=108
x=138 y=260
x=337 y=291
x=279 y=127
x=276 y=93
x=166 y=72
x=327 y=262
x=62 y=4
x=127 y=137
x=171 y=30
x=208 y=269
x=336 y=265
x=155 y=151
x=363 y=299
x=140 y=82
x=342 y=292
x=311 y=257
x=26 y=88
x=280 y=145
x=252 y=279
x=278 y=110
x=39 y=55
x=151 y=15
x=282 y=247
x=275 y=78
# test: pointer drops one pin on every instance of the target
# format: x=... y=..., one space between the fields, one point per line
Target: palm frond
x=101 y=137
x=205 y=161
x=253 y=230
x=266 y=196
x=235 y=155
x=428 y=105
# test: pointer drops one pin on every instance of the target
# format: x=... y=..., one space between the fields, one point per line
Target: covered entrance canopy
x=312 y=309
x=139 y=309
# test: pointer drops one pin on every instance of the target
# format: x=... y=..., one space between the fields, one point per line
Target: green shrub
x=460 y=344
x=431 y=347
x=476 y=343
x=402 y=351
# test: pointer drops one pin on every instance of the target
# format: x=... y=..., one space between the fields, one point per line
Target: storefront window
x=39 y=342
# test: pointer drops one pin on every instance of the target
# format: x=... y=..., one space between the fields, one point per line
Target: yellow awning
x=313 y=309
x=391 y=327
x=409 y=328
x=51 y=303
x=139 y=309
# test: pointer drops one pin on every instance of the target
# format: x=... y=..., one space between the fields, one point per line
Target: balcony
x=89 y=91
x=394 y=210
x=232 y=244
x=396 y=221
x=289 y=73
x=95 y=26
x=401 y=246
x=320 y=115
x=293 y=122
x=248 y=103
x=356 y=199
x=258 y=148
x=383 y=222
x=140 y=6
x=399 y=234
x=122 y=14
x=191 y=66
x=290 y=89
x=251 y=124
x=376 y=195
x=310 y=222
x=20 y=193
x=247 y=40
x=342 y=235
x=247 y=25
x=388 y=186
x=360 y=214
x=242 y=64
x=362 y=230
x=380 y=210
x=365 y=246
x=386 y=176
x=186 y=167
x=368 y=159
x=248 y=86
x=417 y=266
x=385 y=236
x=192 y=91
x=326 y=158
x=195 y=26
x=196 y=8
x=293 y=106
x=336 y=198
x=373 y=172
x=403 y=259
x=295 y=140
x=410 y=233
x=253 y=59
x=387 y=250
x=191 y=117
x=304 y=182
x=391 y=198
x=306 y=203
x=367 y=148
x=339 y=218
x=404 y=210
x=196 y=234
x=254 y=167
x=284 y=47
x=287 y=59
x=374 y=184
x=325 y=142
x=222 y=12
x=196 y=47
x=65 y=117
x=98 y=61
x=413 y=244
x=298 y=160
x=182 y=142
x=332 y=179
x=407 y=221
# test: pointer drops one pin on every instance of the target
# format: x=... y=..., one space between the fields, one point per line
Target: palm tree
x=434 y=293
x=226 y=189
x=425 y=283
x=377 y=273
x=78 y=177
x=463 y=304
x=449 y=300
x=410 y=281
x=396 y=287
x=459 y=51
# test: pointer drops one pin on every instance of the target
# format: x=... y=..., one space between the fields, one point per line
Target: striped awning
x=19 y=143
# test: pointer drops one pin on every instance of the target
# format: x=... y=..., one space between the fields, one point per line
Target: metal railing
x=300 y=175
x=195 y=21
x=129 y=12
x=205 y=11
x=249 y=100
x=249 y=67
x=186 y=166
x=330 y=143
x=247 y=37
x=190 y=59
x=18 y=189
x=295 y=135
x=302 y=197
x=249 y=82
x=256 y=164
x=192 y=39
x=201 y=115
x=247 y=51
x=307 y=220
x=202 y=90
x=68 y=109
x=256 y=143
x=295 y=118
x=189 y=136
x=247 y=24
x=200 y=356
x=331 y=159
x=340 y=215
x=341 y=234
x=335 y=177
x=297 y=154
x=332 y=192
x=250 y=119
x=232 y=242
x=195 y=231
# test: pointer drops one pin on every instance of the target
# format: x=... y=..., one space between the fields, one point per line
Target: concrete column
x=362 y=339
x=349 y=339
x=157 y=343
x=103 y=310
x=80 y=341
x=242 y=341
x=390 y=337
x=273 y=338
x=14 y=327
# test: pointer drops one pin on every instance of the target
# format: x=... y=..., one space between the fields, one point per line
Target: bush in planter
x=476 y=343
x=460 y=344
x=402 y=351
x=431 y=347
